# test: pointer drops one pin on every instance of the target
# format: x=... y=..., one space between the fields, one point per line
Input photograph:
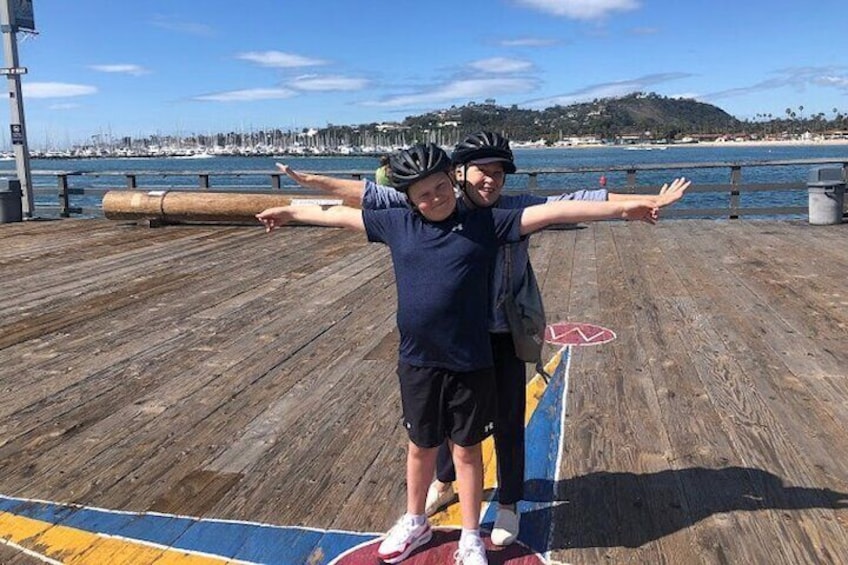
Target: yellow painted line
x=16 y=529
x=537 y=386
x=450 y=515
x=71 y=546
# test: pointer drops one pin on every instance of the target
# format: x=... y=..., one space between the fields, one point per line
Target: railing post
x=532 y=181
x=204 y=181
x=356 y=176
x=132 y=182
x=845 y=178
x=735 y=177
x=631 y=180
x=275 y=181
x=64 y=201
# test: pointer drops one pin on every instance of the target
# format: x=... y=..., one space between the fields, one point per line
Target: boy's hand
x=641 y=211
x=274 y=217
x=292 y=174
x=671 y=194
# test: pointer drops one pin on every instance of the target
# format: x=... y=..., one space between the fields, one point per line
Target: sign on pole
x=24 y=18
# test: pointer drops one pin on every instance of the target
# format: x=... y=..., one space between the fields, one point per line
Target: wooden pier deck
x=215 y=372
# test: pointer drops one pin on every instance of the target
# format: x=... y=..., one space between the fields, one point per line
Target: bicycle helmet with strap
x=418 y=162
x=484 y=147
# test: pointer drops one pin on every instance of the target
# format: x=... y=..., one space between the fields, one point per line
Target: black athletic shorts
x=439 y=403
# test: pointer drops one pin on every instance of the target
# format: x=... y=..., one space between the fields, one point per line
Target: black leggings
x=511 y=388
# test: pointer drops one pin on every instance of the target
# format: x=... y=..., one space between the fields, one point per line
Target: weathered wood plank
x=759 y=438
x=709 y=456
x=115 y=327
x=627 y=300
x=243 y=355
x=552 y=254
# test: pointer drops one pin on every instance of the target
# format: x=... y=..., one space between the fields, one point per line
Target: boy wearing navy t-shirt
x=442 y=253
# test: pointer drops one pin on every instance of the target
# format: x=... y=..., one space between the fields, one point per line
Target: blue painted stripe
x=45 y=512
x=258 y=543
x=164 y=530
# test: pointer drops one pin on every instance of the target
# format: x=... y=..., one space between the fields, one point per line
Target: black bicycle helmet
x=482 y=145
x=418 y=162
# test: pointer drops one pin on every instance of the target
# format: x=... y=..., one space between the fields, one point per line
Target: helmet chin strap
x=463 y=187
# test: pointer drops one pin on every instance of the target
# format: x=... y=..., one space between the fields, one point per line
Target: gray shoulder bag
x=525 y=313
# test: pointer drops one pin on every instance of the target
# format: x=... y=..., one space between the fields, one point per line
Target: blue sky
x=191 y=66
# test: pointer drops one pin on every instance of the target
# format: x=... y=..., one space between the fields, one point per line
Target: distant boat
x=203 y=155
x=646 y=147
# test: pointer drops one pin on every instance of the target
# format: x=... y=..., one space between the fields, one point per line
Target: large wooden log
x=179 y=207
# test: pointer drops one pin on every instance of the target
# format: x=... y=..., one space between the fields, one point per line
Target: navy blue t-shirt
x=442 y=272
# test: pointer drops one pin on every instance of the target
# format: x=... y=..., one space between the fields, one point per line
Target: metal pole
x=17 y=124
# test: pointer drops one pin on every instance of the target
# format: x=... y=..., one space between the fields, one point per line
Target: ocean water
x=252 y=173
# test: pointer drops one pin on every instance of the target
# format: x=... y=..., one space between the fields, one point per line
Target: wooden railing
x=68 y=184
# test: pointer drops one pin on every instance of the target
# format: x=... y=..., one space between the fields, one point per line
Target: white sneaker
x=403 y=539
x=506 y=526
x=472 y=552
x=437 y=498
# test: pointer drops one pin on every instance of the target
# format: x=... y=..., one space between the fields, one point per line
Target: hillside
x=607 y=118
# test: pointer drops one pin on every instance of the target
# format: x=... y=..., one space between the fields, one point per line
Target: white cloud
x=581 y=9
x=798 y=78
x=248 y=95
x=839 y=82
x=135 y=70
x=528 y=42
x=459 y=91
x=606 y=90
x=326 y=83
x=501 y=65
x=56 y=90
x=278 y=59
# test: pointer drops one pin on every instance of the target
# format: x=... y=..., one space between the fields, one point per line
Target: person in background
x=480 y=164
x=381 y=175
x=441 y=252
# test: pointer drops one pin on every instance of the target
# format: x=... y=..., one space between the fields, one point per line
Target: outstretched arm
x=669 y=194
x=336 y=216
x=538 y=217
x=349 y=190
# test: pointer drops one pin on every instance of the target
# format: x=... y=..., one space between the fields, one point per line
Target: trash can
x=11 y=207
x=827 y=195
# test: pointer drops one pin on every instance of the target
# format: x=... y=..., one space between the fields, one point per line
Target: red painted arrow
x=577 y=334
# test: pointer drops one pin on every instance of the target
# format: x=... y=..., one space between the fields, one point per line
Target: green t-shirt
x=381 y=176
